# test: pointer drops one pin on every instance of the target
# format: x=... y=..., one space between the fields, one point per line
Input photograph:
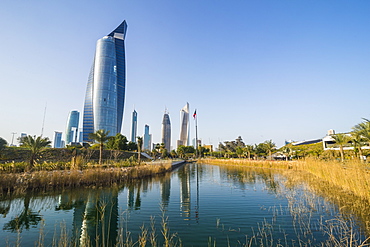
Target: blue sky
x=262 y=70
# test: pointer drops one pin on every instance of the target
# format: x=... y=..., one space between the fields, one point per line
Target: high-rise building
x=105 y=91
x=134 y=126
x=72 y=127
x=147 y=138
x=166 y=131
x=184 y=126
x=57 y=139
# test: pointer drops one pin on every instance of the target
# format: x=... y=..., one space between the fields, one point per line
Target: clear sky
x=262 y=70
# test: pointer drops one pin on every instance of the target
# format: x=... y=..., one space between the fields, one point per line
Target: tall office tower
x=72 y=126
x=184 y=126
x=166 y=131
x=57 y=139
x=105 y=91
x=134 y=126
x=147 y=138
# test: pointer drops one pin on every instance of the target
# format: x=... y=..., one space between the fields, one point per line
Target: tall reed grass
x=92 y=176
x=352 y=177
x=345 y=184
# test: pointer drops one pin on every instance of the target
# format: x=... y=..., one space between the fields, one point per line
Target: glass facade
x=105 y=93
x=184 y=126
x=147 y=138
x=72 y=126
x=166 y=131
x=57 y=139
x=134 y=126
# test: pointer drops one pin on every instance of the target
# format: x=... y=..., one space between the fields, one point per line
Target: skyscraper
x=57 y=139
x=134 y=126
x=105 y=91
x=184 y=126
x=72 y=127
x=147 y=138
x=166 y=131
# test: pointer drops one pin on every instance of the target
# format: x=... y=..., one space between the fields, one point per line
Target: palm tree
x=357 y=142
x=249 y=149
x=100 y=136
x=269 y=146
x=286 y=151
x=341 y=139
x=139 y=147
x=363 y=129
x=35 y=145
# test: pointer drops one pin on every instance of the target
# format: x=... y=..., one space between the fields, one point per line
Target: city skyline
x=105 y=93
x=261 y=70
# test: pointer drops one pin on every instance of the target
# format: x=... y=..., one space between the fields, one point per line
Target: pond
x=196 y=205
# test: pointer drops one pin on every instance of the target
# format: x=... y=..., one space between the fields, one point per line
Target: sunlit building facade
x=72 y=127
x=184 y=126
x=147 y=138
x=166 y=131
x=105 y=93
x=57 y=139
x=134 y=126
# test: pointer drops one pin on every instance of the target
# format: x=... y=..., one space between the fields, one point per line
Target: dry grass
x=60 y=179
x=352 y=177
x=346 y=185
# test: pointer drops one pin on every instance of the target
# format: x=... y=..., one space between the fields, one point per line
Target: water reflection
x=24 y=220
x=194 y=197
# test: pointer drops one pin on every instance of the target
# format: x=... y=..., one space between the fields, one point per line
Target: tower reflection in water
x=95 y=211
x=95 y=216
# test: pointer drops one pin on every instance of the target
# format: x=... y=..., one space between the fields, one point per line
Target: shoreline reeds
x=93 y=176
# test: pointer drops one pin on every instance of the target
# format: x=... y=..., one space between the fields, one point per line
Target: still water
x=202 y=205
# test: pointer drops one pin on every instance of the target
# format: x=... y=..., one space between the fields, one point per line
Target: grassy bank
x=71 y=178
x=352 y=177
x=346 y=185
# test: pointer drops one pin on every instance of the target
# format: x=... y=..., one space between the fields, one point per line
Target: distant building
x=57 y=139
x=105 y=93
x=71 y=134
x=147 y=138
x=210 y=147
x=199 y=143
x=184 y=126
x=80 y=135
x=166 y=131
x=134 y=126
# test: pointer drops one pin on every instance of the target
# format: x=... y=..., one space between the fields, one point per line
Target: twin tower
x=105 y=91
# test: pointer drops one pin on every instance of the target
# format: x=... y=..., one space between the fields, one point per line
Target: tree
x=139 y=147
x=100 y=136
x=363 y=129
x=286 y=151
x=3 y=143
x=270 y=147
x=131 y=146
x=203 y=151
x=341 y=139
x=239 y=151
x=357 y=142
x=118 y=142
x=35 y=145
x=249 y=149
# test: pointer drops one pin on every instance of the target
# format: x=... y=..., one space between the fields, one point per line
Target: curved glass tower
x=105 y=91
x=184 y=126
x=166 y=131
